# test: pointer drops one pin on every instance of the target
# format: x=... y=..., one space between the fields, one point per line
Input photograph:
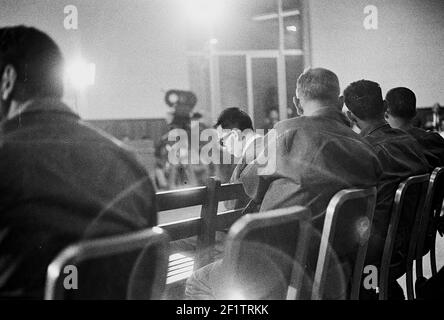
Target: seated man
x=238 y=140
x=232 y=125
x=317 y=154
x=312 y=158
x=235 y=132
x=401 y=110
x=61 y=180
x=400 y=155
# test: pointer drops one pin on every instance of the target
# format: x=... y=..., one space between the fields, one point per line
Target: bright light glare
x=81 y=74
x=203 y=12
x=236 y=295
x=292 y=28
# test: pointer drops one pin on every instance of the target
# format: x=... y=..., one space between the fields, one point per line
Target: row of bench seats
x=347 y=221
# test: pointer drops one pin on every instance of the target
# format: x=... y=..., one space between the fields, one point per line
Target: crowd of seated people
x=64 y=181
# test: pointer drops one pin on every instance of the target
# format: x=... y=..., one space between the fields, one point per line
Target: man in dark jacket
x=61 y=180
x=317 y=154
x=401 y=157
x=401 y=110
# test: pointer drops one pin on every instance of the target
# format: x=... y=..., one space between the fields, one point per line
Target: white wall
x=138 y=47
x=406 y=50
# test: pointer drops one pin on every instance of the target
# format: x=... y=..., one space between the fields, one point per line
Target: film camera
x=182 y=103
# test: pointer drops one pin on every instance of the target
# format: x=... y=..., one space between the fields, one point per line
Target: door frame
x=279 y=53
x=249 y=55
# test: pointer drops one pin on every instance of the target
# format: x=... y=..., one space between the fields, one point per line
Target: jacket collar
x=46 y=105
x=39 y=106
x=375 y=127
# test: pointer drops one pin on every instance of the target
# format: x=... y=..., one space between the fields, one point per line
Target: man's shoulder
x=290 y=124
x=110 y=145
x=395 y=139
x=427 y=138
x=99 y=135
x=388 y=136
x=316 y=126
x=420 y=133
x=399 y=146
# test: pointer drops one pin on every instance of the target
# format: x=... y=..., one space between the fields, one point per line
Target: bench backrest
x=210 y=221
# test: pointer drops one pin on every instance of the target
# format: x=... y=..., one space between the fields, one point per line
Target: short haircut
x=364 y=99
x=318 y=84
x=234 y=118
x=401 y=103
x=37 y=60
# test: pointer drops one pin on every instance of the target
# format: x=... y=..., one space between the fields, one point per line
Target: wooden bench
x=203 y=227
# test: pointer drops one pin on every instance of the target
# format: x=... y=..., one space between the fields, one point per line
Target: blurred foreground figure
x=401 y=157
x=61 y=180
x=311 y=159
x=400 y=113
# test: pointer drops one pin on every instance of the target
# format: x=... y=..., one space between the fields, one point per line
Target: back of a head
x=364 y=99
x=234 y=118
x=318 y=84
x=37 y=60
x=401 y=103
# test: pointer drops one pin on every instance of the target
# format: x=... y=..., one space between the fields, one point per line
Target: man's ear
x=8 y=82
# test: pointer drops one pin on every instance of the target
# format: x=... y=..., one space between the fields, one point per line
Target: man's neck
x=405 y=126
x=399 y=123
x=312 y=107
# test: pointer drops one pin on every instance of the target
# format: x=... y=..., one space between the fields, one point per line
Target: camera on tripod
x=182 y=103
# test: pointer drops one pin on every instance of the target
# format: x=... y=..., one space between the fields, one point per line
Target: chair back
x=265 y=254
x=428 y=228
x=345 y=236
x=404 y=224
x=131 y=266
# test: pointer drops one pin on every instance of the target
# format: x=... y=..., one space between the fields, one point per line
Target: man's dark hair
x=401 y=103
x=364 y=99
x=318 y=84
x=234 y=118
x=37 y=60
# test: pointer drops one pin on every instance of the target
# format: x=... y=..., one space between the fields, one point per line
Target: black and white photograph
x=219 y=156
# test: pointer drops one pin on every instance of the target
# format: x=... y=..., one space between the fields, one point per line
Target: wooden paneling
x=137 y=129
